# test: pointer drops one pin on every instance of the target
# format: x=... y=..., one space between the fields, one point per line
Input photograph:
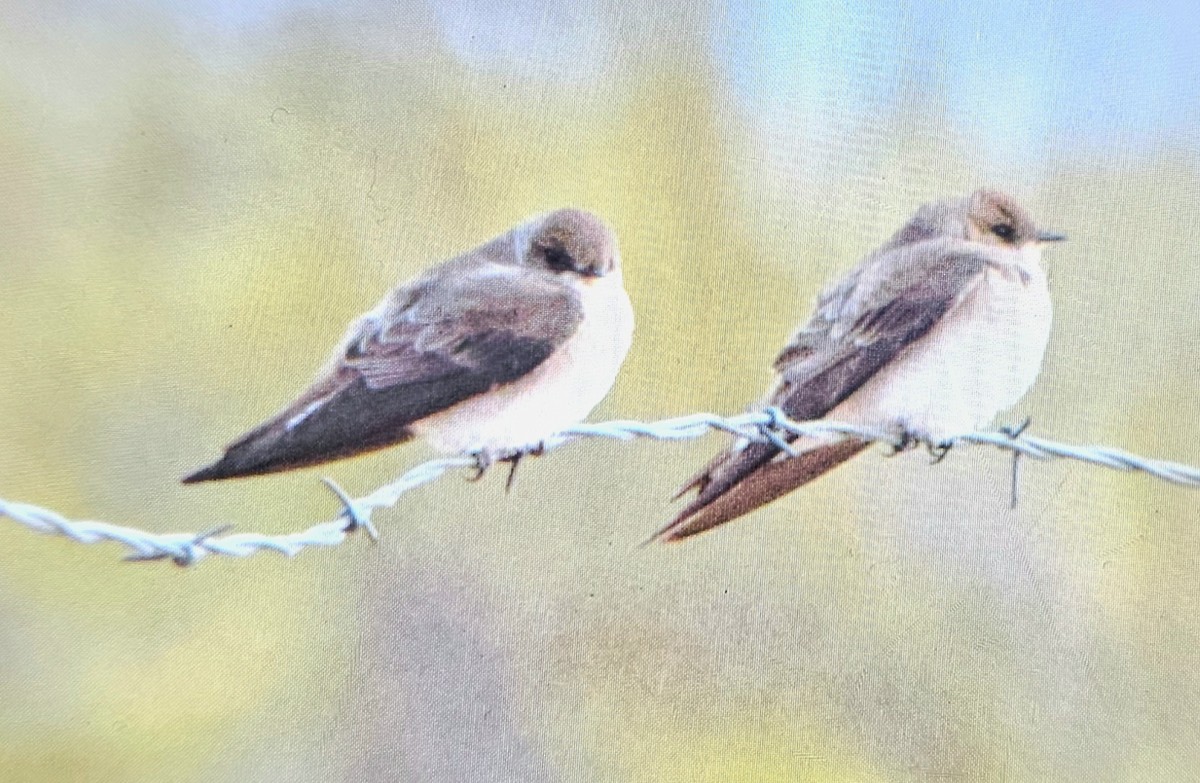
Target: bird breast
x=557 y=394
x=978 y=360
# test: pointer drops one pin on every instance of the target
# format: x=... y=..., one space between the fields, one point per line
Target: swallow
x=930 y=336
x=487 y=354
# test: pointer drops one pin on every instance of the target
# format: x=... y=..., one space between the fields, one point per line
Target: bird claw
x=484 y=460
x=512 y=461
x=1015 y=431
x=904 y=441
x=938 y=451
x=515 y=458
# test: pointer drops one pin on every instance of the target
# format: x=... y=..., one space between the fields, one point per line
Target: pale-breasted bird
x=489 y=353
x=930 y=336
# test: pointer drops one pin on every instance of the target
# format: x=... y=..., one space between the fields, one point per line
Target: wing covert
x=432 y=344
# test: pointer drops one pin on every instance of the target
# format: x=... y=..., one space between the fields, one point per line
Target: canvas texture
x=199 y=198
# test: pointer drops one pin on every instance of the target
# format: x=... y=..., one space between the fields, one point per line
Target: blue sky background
x=1024 y=81
x=1098 y=73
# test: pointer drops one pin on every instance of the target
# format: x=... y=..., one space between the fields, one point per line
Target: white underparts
x=557 y=394
x=978 y=360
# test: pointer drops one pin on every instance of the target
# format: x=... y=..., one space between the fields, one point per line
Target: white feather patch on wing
x=309 y=410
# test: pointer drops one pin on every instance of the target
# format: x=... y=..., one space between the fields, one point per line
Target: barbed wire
x=770 y=425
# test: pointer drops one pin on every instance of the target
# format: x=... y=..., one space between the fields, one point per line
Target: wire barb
x=355 y=517
x=1014 y=433
x=191 y=551
x=770 y=429
x=186 y=549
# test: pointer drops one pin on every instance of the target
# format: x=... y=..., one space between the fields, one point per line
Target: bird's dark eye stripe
x=1003 y=230
x=558 y=259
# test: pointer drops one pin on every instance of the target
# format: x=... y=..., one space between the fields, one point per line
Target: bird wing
x=443 y=339
x=861 y=324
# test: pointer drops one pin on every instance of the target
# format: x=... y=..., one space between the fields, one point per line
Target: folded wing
x=861 y=324
x=433 y=344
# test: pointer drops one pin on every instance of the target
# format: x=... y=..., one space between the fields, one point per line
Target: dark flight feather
x=861 y=324
x=769 y=482
x=427 y=349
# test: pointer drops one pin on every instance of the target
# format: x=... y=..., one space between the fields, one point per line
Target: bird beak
x=1050 y=236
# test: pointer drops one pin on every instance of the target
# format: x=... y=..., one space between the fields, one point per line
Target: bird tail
x=737 y=483
x=256 y=453
x=293 y=439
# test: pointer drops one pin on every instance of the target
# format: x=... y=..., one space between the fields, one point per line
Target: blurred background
x=196 y=198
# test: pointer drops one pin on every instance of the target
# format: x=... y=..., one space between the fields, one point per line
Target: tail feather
x=756 y=487
x=727 y=469
x=730 y=464
x=271 y=451
x=327 y=423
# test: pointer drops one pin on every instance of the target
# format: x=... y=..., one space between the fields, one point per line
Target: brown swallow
x=930 y=336
x=489 y=353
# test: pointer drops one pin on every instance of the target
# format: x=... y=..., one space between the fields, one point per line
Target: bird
x=487 y=354
x=931 y=335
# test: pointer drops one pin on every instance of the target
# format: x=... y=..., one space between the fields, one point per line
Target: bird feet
x=907 y=440
x=904 y=441
x=485 y=459
x=1015 y=431
x=938 y=451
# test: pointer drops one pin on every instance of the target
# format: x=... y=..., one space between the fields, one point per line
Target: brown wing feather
x=438 y=342
x=770 y=481
x=861 y=324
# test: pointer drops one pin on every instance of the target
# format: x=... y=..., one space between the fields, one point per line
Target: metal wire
x=186 y=549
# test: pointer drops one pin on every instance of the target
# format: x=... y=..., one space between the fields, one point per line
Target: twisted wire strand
x=186 y=549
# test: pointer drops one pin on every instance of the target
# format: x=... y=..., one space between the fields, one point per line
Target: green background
x=191 y=210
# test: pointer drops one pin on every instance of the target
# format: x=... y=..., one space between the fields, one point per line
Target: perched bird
x=930 y=336
x=489 y=353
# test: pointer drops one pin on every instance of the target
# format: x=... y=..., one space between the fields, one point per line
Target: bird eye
x=1004 y=231
x=557 y=258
